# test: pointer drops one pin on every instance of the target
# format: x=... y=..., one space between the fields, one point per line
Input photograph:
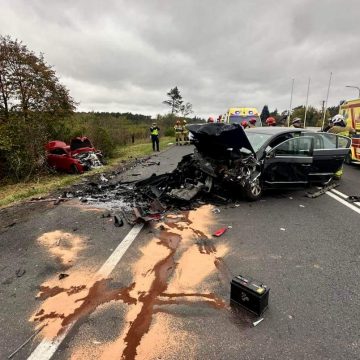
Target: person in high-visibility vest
x=339 y=127
x=178 y=132
x=154 y=132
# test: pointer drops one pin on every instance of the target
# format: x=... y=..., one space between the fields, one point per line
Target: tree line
x=314 y=117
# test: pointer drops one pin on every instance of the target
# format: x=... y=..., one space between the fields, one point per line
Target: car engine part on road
x=249 y=294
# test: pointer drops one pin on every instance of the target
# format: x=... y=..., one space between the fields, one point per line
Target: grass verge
x=45 y=184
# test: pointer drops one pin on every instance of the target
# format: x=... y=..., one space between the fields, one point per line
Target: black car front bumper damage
x=222 y=163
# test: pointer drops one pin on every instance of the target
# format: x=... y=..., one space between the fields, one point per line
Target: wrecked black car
x=228 y=162
x=258 y=158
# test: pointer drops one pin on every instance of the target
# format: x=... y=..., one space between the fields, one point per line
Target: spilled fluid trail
x=173 y=276
x=177 y=230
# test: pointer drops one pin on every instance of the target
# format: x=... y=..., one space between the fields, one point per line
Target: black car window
x=298 y=146
x=330 y=141
x=257 y=140
x=278 y=140
x=319 y=142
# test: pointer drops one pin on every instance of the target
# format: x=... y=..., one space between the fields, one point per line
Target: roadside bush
x=102 y=140
x=24 y=154
x=169 y=132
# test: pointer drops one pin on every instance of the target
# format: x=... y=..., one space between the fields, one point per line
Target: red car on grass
x=75 y=158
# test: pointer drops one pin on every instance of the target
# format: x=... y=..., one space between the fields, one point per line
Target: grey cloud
x=125 y=55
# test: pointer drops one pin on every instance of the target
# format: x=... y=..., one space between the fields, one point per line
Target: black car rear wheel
x=253 y=191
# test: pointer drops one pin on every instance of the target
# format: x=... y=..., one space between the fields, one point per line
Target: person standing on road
x=185 y=133
x=178 y=132
x=244 y=124
x=339 y=127
x=154 y=132
x=296 y=123
x=252 y=123
x=270 y=121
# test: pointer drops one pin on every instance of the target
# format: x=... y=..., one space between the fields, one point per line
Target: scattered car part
x=187 y=193
x=220 y=232
x=353 y=198
x=255 y=323
x=20 y=272
x=118 y=221
x=322 y=190
x=249 y=294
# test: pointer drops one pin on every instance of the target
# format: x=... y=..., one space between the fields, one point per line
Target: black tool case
x=250 y=294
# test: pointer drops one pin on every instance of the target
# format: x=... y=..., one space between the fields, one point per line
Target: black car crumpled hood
x=217 y=137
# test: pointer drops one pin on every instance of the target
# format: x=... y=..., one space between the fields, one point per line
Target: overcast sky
x=125 y=55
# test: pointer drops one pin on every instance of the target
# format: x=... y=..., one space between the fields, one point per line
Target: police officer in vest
x=154 y=131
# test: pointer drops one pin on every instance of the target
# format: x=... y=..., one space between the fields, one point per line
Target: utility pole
x=291 y=96
x=322 y=106
x=326 y=102
x=307 y=100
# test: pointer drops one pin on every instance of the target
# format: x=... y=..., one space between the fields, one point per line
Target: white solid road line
x=46 y=349
x=339 y=193
x=344 y=202
x=343 y=196
x=119 y=252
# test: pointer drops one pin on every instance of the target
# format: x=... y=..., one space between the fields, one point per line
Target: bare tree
x=186 y=109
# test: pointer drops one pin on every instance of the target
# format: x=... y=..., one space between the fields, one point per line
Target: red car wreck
x=75 y=158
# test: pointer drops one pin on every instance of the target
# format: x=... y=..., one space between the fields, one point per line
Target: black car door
x=289 y=163
x=329 y=154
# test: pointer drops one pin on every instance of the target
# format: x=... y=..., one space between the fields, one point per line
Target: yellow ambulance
x=350 y=109
x=237 y=115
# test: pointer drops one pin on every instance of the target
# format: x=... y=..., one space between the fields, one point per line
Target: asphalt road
x=167 y=296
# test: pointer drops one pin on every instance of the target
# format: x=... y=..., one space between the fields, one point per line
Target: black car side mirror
x=270 y=155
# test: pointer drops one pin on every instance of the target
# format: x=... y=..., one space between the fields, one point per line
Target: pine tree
x=175 y=100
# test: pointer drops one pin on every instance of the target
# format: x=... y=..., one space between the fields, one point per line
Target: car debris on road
x=323 y=190
x=257 y=322
x=353 y=198
x=223 y=167
x=220 y=232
